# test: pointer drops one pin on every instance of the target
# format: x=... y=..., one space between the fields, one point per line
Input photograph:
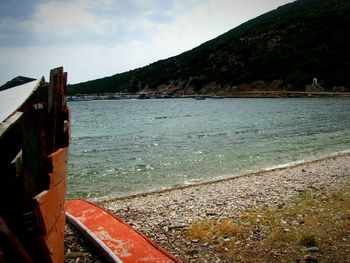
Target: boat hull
x=118 y=241
x=34 y=140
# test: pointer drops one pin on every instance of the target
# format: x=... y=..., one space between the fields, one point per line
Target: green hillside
x=281 y=50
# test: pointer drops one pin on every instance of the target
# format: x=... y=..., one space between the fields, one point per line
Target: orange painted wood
x=113 y=236
x=55 y=240
x=49 y=205
x=59 y=166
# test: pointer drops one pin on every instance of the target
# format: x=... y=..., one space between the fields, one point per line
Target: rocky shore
x=165 y=216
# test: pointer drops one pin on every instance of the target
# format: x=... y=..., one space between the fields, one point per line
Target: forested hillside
x=281 y=50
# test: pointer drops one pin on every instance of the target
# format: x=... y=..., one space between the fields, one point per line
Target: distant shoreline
x=242 y=94
x=288 y=94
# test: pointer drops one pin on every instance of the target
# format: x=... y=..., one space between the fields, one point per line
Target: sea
x=125 y=147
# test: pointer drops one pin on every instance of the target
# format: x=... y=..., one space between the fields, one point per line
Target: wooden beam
x=10 y=122
x=12 y=249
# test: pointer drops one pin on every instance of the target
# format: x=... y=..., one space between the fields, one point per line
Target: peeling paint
x=119 y=247
x=114 y=237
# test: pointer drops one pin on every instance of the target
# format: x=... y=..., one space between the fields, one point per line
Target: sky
x=97 y=38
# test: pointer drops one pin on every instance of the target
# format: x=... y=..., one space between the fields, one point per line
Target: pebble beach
x=164 y=216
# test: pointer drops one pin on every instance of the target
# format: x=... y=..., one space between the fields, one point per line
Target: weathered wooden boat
x=34 y=139
x=118 y=241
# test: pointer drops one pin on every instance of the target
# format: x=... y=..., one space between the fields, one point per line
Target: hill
x=283 y=49
x=20 y=80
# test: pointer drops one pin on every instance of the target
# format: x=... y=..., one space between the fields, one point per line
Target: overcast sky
x=98 y=38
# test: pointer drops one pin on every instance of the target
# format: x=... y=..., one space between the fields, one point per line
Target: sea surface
x=123 y=147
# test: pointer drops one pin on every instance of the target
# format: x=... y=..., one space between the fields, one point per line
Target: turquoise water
x=123 y=147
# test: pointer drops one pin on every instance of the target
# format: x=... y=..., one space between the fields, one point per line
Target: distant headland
x=279 y=52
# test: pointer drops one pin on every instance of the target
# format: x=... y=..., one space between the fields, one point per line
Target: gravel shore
x=164 y=216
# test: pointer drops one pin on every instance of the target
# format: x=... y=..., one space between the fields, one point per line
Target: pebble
x=76 y=255
x=211 y=214
x=309 y=259
x=312 y=249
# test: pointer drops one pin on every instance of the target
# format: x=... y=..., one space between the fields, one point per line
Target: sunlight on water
x=131 y=146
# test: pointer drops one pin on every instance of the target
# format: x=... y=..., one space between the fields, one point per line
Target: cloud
x=202 y=21
x=63 y=19
x=82 y=61
x=93 y=39
x=17 y=9
x=103 y=22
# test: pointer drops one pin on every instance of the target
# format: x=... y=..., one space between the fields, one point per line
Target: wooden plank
x=10 y=139
x=55 y=240
x=58 y=166
x=12 y=248
x=35 y=177
x=12 y=99
x=49 y=205
x=117 y=240
x=55 y=107
x=17 y=163
x=9 y=122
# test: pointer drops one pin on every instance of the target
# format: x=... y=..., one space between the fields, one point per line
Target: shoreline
x=258 y=94
x=279 y=167
x=165 y=215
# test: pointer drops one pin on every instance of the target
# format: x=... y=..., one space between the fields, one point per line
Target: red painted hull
x=116 y=239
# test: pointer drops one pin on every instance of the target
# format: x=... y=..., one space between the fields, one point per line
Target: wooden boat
x=118 y=241
x=34 y=139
